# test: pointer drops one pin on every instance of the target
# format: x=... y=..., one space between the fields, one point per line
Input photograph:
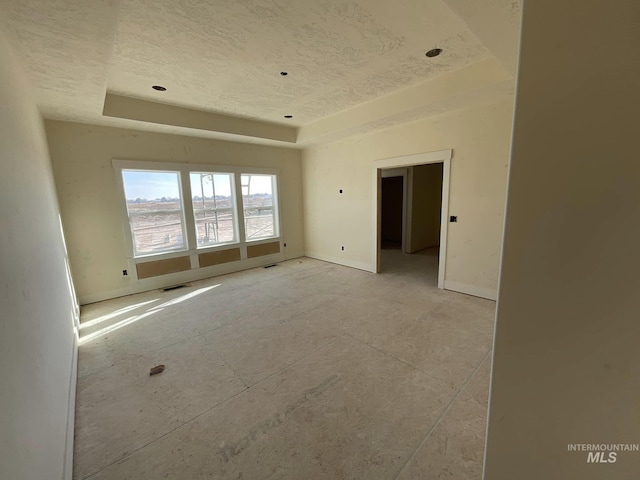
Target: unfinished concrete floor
x=306 y=370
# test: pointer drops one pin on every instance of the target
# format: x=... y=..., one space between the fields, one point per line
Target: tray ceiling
x=225 y=57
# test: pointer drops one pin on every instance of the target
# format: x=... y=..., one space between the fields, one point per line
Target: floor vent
x=174 y=287
x=269 y=266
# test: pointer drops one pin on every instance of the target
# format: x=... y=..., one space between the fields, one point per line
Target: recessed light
x=434 y=52
x=159 y=88
x=288 y=116
x=284 y=74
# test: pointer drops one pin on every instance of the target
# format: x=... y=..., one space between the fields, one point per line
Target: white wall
x=567 y=357
x=92 y=208
x=480 y=139
x=37 y=339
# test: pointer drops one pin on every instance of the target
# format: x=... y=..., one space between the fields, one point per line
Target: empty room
x=318 y=240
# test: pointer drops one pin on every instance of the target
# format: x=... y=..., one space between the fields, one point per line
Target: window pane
x=213 y=207
x=155 y=211
x=144 y=206
x=214 y=227
x=257 y=197
x=258 y=224
x=157 y=233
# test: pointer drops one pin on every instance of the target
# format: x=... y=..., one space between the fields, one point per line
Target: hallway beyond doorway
x=420 y=266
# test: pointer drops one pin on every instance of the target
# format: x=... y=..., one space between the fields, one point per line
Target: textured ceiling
x=225 y=56
x=66 y=48
x=496 y=24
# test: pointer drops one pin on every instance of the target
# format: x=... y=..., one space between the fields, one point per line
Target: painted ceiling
x=224 y=59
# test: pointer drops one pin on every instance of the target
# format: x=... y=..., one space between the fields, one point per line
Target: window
x=154 y=207
x=173 y=208
x=258 y=206
x=213 y=207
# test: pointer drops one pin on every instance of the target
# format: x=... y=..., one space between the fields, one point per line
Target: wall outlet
x=124 y=273
x=343 y=249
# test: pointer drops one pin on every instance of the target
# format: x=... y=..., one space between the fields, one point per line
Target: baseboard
x=152 y=283
x=71 y=413
x=292 y=255
x=340 y=261
x=481 y=292
x=106 y=295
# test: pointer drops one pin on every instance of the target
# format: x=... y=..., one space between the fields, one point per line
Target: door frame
x=440 y=156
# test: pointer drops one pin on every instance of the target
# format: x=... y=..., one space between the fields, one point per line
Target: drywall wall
x=92 y=208
x=37 y=338
x=567 y=362
x=426 y=205
x=480 y=139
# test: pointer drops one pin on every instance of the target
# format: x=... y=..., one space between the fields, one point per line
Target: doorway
x=393 y=212
x=411 y=212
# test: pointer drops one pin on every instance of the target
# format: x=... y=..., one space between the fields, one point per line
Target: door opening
x=391 y=228
x=393 y=220
x=411 y=211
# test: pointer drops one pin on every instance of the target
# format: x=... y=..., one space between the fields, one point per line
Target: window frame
x=233 y=209
x=274 y=207
x=183 y=222
x=189 y=226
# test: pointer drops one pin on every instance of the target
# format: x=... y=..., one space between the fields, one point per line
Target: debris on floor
x=156 y=370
